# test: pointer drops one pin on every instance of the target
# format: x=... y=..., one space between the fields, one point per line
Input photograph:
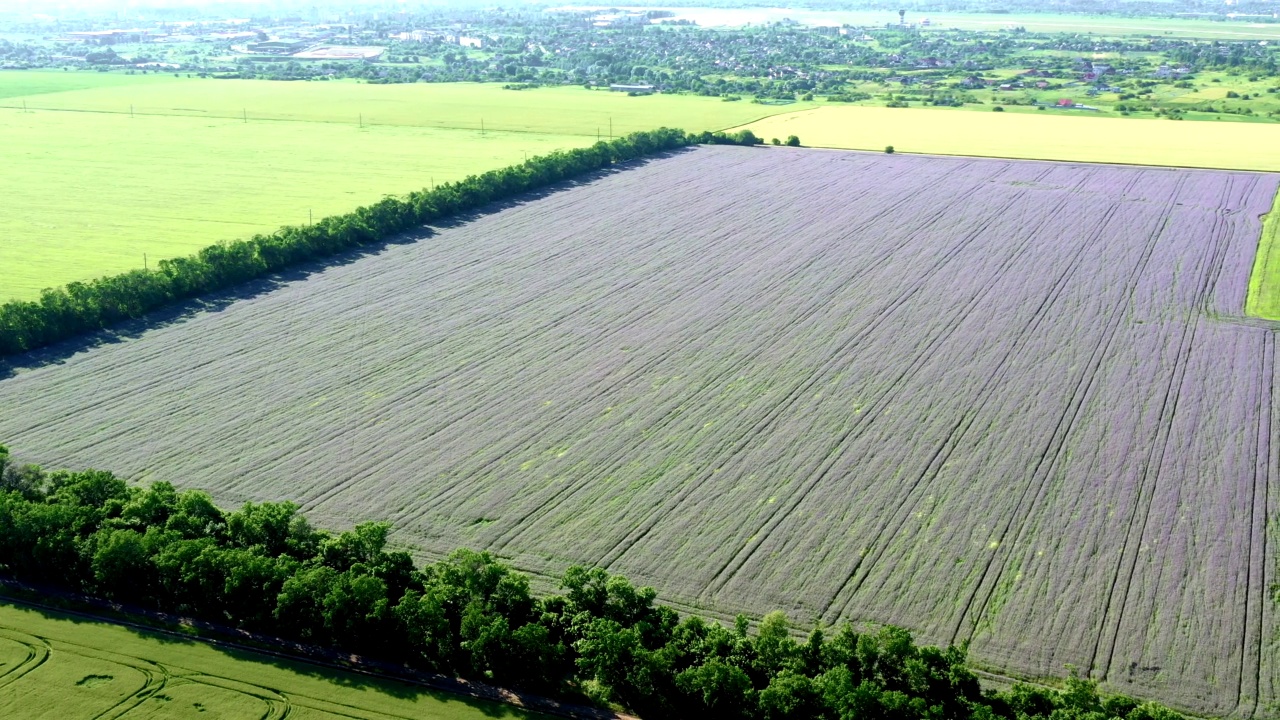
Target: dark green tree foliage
x=264 y=568
x=82 y=307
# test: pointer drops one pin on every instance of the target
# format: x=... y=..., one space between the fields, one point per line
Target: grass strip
x=1264 y=284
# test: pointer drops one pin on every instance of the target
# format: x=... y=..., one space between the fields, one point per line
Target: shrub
x=888 y=149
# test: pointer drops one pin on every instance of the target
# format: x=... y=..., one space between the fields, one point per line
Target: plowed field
x=1006 y=401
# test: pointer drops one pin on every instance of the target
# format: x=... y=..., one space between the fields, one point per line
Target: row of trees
x=603 y=640
x=82 y=307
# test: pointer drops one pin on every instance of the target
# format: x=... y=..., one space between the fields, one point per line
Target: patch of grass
x=1264 y=284
x=1039 y=136
x=97 y=667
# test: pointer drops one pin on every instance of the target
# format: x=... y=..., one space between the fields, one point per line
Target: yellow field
x=1039 y=136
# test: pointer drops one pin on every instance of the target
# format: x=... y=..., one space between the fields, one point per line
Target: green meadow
x=105 y=173
x=65 y=668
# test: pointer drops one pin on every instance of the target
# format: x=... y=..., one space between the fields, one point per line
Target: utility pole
x=246 y=114
x=361 y=121
x=308 y=216
x=130 y=111
x=144 y=261
x=481 y=127
x=611 y=128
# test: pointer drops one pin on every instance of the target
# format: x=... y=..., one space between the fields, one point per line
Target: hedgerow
x=265 y=568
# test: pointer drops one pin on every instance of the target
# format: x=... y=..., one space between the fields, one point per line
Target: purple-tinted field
x=1011 y=402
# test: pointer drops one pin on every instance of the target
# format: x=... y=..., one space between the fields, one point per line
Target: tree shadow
x=185 y=310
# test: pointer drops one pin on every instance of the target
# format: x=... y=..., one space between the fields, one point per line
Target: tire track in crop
x=1151 y=474
x=428 y=384
x=1052 y=453
x=37 y=654
x=748 y=435
x=1255 y=582
x=895 y=387
x=1211 y=296
x=802 y=390
x=862 y=568
x=278 y=705
x=633 y=373
x=712 y=383
x=815 y=305
x=726 y=573
x=156 y=678
x=567 y=317
x=1269 y=627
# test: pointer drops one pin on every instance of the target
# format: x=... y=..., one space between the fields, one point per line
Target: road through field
x=1002 y=401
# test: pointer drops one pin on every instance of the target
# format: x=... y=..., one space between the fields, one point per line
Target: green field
x=62 y=668
x=1264 y=284
x=91 y=189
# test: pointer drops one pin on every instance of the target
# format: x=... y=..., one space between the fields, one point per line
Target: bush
x=997 y=108
x=888 y=149
x=775 y=141
x=793 y=141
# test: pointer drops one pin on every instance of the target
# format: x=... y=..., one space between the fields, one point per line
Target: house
x=1066 y=103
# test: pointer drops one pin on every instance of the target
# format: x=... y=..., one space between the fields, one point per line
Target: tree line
x=600 y=639
x=82 y=307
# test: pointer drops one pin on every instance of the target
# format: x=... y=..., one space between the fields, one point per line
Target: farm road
x=991 y=400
